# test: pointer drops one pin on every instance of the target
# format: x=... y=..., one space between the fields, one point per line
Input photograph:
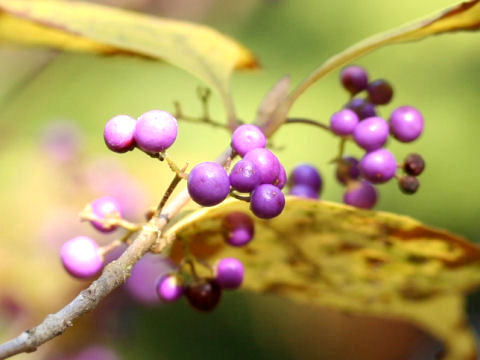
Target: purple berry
x=281 y=180
x=208 y=184
x=371 y=134
x=156 y=131
x=96 y=352
x=119 y=133
x=414 y=164
x=267 y=201
x=244 y=176
x=362 y=195
x=303 y=191
x=362 y=108
x=169 y=289
x=406 y=123
x=408 y=184
x=229 y=273
x=380 y=92
x=81 y=257
x=354 y=79
x=204 y=295
x=378 y=166
x=347 y=170
x=104 y=208
x=246 y=138
x=344 y=122
x=306 y=174
x=266 y=163
x=238 y=229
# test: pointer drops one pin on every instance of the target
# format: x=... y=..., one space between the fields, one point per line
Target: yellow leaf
x=363 y=262
x=77 y=26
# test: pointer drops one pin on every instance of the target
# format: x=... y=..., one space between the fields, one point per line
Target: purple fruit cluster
x=305 y=181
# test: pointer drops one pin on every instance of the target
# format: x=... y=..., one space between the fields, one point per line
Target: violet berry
x=245 y=176
x=362 y=108
x=344 y=122
x=380 y=92
x=408 y=184
x=347 y=170
x=104 y=208
x=204 y=295
x=118 y=133
x=81 y=257
x=281 y=180
x=208 y=184
x=238 y=229
x=354 y=78
x=169 y=288
x=229 y=273
x=306 y=174
x=267 y=201
x=247 y=137
x=303 y=191
x=371 y=133
x=266 y=163
x=406 y=123
x=156 y=131
x=414 y=164
x=378 y=166
x=362 y=195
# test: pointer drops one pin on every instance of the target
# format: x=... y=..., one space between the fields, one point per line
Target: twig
x=308 y=122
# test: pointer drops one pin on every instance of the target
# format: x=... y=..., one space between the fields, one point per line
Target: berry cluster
x=305 y=181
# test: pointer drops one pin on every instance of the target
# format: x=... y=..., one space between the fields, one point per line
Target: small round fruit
x=156 y=131
x=204 y=295
x=169 y=288
x=281 y=180
x=406 y=123
x=347 y=170
x=354 y=78
x=104 y=208
x=229 y=273
x=267 y=201
x=81 y=257
x=380 y=92
x=414 y=164
x=266 y=163
x=245 y=176
x=303 y=191
x=408 y=184
x=371 y=133
x=119 y=133
x=308 y=175
x=362 y=108
x=378 y=166
x=208 y=184
x=344 y=122
x=238 y=228
x=362 y=195
x=246 y=138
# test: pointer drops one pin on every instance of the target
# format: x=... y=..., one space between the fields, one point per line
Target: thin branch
x=308 y=122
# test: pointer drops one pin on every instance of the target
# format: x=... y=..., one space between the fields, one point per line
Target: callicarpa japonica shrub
x=255 y=223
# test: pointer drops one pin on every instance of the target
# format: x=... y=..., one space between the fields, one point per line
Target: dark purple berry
x=208 y=184
x=408 y=184
x=119 y=133
x=306 y=174
x=344 y=122
x=204 y=295
x=380 y=92
x=244 y=176
x=81 y=257
x=247 y=137
x=378 y=166
x=169 y=288
x=238 y=229
x=354 y=79
x=347 y=170
x=156 y=131
x=229 y=273
x=371 y=134
x=406 y=123
x=281 y=180
x=266 y=163
x=414 y=164
x=303 y=191
x=104 y=208
x=362 y=108
x=362 y=195
x=267 y=201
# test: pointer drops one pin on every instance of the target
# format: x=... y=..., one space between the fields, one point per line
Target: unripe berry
x=354 y=79
x=371 y=134
x=361 y=107
x=267 y=201
x=414 y=164
x=362 y=195
x=245 y=176
x=246 y=138
x=156 y=131
x=204 y=295
x=378 y=166
x=81 y=257
x=408 y=184
x=238 y=229
x=169 y=289
x=347 y=170
x=303 y=191
x=380 y=92
x=229 y=273
x=266 y=163
x=308 y=175
x=208 y=184
x=344 y=122
x=406 y=123
x=119 y=133
x=104 y=208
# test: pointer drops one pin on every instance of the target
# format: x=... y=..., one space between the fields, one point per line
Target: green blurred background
x=440 y=76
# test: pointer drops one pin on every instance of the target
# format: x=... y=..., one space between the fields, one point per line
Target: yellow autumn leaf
x=363 y=262
x=76 y=26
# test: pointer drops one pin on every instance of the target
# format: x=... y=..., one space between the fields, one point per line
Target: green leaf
x=362 y=262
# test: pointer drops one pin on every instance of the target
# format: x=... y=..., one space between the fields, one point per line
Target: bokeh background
x=53 y=161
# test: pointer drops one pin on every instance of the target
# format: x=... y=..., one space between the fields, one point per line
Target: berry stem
x=111 y=220
x=240 y=197
x=173 y=184
x=308 y=122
